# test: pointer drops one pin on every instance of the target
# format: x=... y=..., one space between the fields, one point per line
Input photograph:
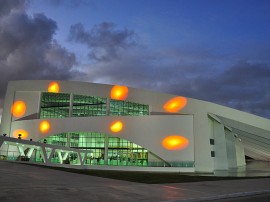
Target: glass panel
x=59 y=139
x=120 y=151
x=85 y=106
x=125 y=153
x=125 y=108
x=54 y=105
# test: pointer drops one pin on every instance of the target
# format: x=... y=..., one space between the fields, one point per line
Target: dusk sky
x=213 y=50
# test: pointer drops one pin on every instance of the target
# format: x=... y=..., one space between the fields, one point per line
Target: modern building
x=132 y=128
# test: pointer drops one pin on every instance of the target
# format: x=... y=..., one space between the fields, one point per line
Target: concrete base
x=118 y=168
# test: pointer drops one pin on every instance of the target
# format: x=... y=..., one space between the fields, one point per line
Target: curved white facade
x=218 y=137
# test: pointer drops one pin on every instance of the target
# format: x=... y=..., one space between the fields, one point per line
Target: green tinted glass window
x=85 y=106
x=120 y=151
x=125 y=108
x=54 y=105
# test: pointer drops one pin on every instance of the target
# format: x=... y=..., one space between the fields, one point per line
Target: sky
x=212 y=50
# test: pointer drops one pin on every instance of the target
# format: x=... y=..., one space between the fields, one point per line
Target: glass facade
x=125 y=108
x=88 y=106
x=120 y=151
x=123 y=152
x=54 y=105
x=104 y=149
x=60 y=105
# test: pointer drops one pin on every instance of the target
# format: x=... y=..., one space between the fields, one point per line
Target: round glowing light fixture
x=175 y=104
x=175 y=142
x=18 y=108
x=23 y=134
x=44 y=126
x=119 y=92
x=116 y=126
x=53 y=87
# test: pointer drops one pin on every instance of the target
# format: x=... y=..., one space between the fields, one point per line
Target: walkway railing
x=47 y=151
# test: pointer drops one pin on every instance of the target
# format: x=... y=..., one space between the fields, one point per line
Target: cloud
x=103 y=40
x=28 y=50
x=245 y=86
x=8 y=5
x=70 y=3
x=242 y=84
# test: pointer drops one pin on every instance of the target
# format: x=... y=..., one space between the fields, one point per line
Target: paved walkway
x=20 y=182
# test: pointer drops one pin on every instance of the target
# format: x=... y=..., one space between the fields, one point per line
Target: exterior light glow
x=175 y=142
x=175 y=104
x=116 y=126
x=119 y=92
x=18 y=108
x=24 y=133
x=44 y=126
x=53 y=87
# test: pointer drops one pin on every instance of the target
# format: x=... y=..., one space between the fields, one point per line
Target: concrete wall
x=146 y=131
x=202 y=130
x=240 y=152
x=231 y=148
x=220 y=147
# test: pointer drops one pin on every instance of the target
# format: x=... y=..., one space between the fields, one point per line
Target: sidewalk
x=20 y=182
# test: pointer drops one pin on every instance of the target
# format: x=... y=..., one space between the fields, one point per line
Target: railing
x=42 y=152
x=188 y=164
x=25 y=150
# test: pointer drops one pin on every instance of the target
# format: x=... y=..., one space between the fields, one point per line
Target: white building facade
x=130 y=127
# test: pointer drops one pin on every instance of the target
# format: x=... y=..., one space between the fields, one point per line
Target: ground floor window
x=105 y=150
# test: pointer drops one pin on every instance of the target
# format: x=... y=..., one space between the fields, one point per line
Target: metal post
x=106 y=139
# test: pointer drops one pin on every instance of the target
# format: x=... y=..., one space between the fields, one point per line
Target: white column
x=71 y=101
x=240 y=152
x=1 y=142
x=84 y=157
x=80 y=158
x=30 y=152
x=21 y=151
x=44 y=154
x=51 y=155
x=60 y=156
x=231 y=151
x=220 y=159
x=106 y=138
x=65 y=155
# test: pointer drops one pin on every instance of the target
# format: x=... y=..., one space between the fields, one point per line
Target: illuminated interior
x=18 y=109
x=119 y=92
x=116 y=126
x=175 y=104
x=175 y=142
x=105 y=123
x=53 y=87
x=104 y=149
x=23 y=133
x=44 y=126
x=57 y=105
x=121 y=152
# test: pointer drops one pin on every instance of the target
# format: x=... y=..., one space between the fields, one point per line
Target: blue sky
x=214 y=50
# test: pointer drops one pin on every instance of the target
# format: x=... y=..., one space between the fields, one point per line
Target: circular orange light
x=175 y=142
x=44 y=126
x=18 y=108
x=119 y=92
x=53 y=87
x=175 y=104
x=23 y=134
x=116 y=126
